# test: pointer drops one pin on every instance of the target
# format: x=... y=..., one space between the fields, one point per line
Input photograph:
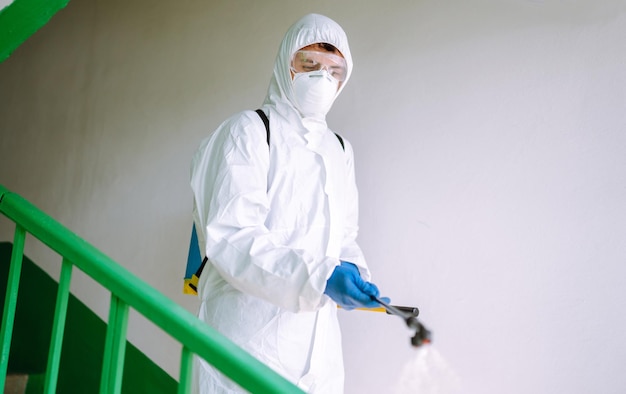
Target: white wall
x=5 y=3
x=489 y=137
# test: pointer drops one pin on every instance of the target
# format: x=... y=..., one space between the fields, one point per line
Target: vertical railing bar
x=119 y=346
x=10 y=302
x=58 y=327
x=106 y=362
x=108 y=347
x=115 y=347
x=186 y=362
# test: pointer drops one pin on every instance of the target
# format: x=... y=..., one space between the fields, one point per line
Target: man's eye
x=336 y=70
x=310 y=65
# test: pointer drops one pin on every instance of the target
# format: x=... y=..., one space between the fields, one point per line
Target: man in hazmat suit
x=276 y=211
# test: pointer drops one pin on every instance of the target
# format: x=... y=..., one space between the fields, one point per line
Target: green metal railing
x=127 y=291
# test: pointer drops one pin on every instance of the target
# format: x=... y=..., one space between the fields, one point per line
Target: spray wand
x=422 y=335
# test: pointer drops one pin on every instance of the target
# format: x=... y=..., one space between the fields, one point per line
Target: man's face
x=319 y=56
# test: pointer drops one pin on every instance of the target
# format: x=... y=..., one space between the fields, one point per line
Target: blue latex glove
x=346 y=287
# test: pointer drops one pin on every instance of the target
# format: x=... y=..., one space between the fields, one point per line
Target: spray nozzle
x=422 y=335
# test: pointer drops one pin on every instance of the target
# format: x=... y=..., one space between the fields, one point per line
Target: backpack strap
x=195 y=278
x=341 y=142
x=266 y=122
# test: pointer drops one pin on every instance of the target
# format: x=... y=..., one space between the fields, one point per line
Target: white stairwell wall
x=5 y=3
x=489 y=139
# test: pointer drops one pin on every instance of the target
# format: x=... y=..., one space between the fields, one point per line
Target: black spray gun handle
x=409 y=315
x=410 y=310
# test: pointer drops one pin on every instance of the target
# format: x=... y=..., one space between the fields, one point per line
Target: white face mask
x=314 y=93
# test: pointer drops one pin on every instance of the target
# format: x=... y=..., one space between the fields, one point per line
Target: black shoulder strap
x=266 y=122
x=198 y=272
x=341 y=142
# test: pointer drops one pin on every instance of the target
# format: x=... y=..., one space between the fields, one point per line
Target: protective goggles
x=307 y=61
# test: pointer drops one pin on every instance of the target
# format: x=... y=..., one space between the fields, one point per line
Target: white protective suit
x=274 y=222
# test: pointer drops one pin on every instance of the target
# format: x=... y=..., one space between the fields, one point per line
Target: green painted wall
x=23 y=18
x=83 y=343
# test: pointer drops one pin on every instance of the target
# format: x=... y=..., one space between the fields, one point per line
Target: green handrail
x=127 y=291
